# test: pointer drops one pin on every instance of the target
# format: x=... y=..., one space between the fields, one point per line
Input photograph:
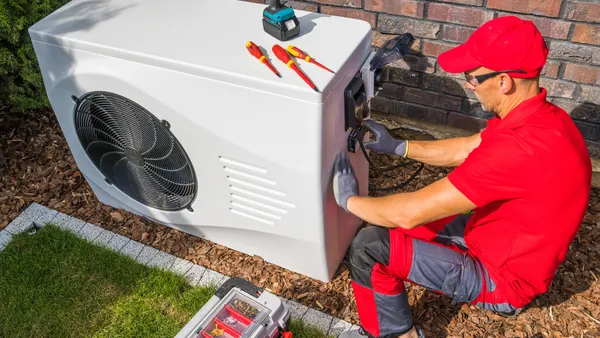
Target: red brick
x=432 y=48
x=397 y=7
x=551 y=69
x=380 y=39
x=582 y=74
x=568 y=51
x=558 y=88
x=391 y=90
x=417 y=63
x=302 y=6
x=551 y=28
x=589 y=131
x=393 y=24
x=582 y=11
x=456 y=33
x=441 y=72
x=470 y=123
x=404 y=76
x=452 y=86
x=433 y=99
x=413 y=111
x=347 y=3
x=586 y=34
x=465 y=2
x=461 y=15
x=350 y=13
x=537 y=7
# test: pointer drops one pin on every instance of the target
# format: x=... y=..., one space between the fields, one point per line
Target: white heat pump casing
x=262 y=147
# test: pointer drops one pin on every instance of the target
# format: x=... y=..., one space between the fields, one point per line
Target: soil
x=36 y=165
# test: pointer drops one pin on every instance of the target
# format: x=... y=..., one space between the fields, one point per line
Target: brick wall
x=418 y=88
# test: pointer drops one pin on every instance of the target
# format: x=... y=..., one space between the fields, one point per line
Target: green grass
x=54 y=284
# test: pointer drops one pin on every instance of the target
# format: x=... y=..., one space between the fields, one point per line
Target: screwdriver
x=295 y=51
x=255 y=50
x=285 y=58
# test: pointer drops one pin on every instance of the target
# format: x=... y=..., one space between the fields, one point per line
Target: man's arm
x=408 y=210
x=449 y=152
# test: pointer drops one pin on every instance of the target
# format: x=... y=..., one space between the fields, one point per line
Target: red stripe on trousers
x=366 y=308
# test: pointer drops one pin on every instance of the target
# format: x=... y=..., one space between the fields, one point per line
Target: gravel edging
x=37 y=215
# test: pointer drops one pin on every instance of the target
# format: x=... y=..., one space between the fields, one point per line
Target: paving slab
x=212 y=277
x=5 y=237
x=104 y=238
x=67 y=222
x=338 y=326
x=195 y=274
x=318 y=319
x=26 y=218
x=162 y=260
x=181 y=266
x=132 y=249
x=89 y=232
x=118 y=242
x=297 y=310
x=146 y=254
x=44 y=219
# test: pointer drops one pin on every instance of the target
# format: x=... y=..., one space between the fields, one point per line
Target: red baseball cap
x=504 y=43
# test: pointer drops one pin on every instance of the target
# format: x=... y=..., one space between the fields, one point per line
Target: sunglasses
x=478 y=79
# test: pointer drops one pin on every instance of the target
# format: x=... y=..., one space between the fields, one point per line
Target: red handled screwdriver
x=295 y=51
x=285 y=58
x=255 y=50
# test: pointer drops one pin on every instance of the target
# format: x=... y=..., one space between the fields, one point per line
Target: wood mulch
x=37 y=166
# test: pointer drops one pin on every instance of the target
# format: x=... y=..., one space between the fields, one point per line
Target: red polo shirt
x=530 y=179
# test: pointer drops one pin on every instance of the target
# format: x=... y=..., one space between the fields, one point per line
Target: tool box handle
x=233 y=282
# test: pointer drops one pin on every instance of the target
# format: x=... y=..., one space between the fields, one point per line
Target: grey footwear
x=360 y=333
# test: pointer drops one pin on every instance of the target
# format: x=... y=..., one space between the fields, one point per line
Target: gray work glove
x=384 y=141
x=344 y=180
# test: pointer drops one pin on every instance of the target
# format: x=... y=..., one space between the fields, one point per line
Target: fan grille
x=135 y=151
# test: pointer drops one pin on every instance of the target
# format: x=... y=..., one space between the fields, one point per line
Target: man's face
x=487 y=93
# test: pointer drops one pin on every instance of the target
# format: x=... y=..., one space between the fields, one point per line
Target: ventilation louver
x=135 y=151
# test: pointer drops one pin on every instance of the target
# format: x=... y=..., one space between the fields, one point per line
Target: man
x=527 y=177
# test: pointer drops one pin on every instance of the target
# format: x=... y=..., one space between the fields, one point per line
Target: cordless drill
x=280 y=21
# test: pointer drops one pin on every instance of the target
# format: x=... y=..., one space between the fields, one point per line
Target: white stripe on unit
x=255 y=186
x=250 y=176
x=262 y=205
x=252 y=217
x=251 y=209
x=242 y=165
x=263 y=197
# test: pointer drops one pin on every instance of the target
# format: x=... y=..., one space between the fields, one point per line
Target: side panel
x=341 y=226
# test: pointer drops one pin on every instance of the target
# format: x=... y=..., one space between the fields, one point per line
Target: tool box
x=239 y=310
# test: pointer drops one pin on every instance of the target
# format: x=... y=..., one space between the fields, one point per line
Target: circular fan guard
x=135 y=151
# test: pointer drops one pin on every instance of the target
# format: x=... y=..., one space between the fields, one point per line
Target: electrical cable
x=396 y=166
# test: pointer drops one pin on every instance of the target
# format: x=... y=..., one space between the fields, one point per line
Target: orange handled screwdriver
x=285 y=58
x=255 y=50
x=300 y=54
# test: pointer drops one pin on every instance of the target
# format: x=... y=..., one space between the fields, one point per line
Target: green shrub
x=21 y=85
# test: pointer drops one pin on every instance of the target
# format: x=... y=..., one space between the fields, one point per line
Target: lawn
x=54 y=284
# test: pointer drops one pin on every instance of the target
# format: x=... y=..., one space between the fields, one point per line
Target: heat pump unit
x=169 y=117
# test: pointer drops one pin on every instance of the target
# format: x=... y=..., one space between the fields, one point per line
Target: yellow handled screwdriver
x=296 y=52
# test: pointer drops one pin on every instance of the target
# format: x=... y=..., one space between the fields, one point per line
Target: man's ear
x=506 y=83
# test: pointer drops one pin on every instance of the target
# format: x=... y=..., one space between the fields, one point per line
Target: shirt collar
x=523 y=110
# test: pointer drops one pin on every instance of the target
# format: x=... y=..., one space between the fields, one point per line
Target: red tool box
x=239 y=309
